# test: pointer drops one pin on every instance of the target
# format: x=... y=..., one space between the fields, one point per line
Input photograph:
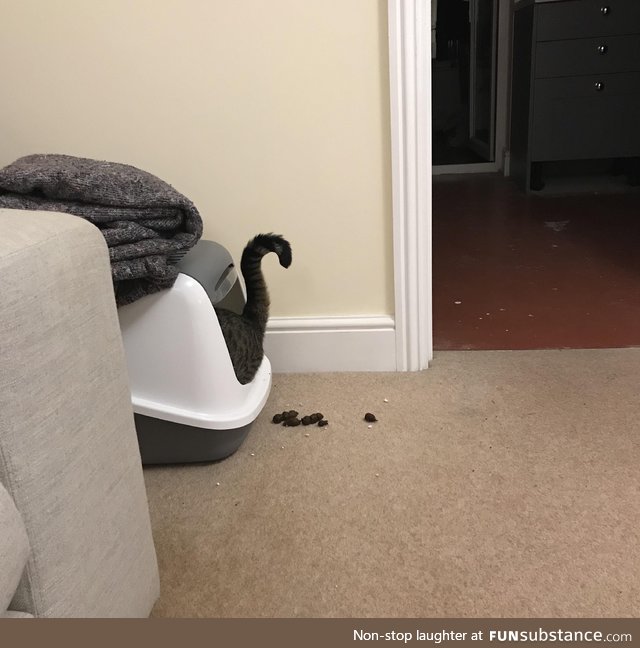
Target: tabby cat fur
x=244 y=334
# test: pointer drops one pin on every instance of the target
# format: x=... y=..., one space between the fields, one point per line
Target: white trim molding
x=312 y=344
x=410 y=95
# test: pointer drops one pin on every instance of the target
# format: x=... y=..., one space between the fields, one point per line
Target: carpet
x=494 y=484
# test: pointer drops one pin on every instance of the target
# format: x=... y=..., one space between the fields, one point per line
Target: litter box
x=187 y=402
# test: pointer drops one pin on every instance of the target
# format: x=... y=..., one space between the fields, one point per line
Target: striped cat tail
x=256 y=309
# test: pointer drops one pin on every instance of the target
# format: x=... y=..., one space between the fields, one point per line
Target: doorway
x=464 y=42
x=518 y=271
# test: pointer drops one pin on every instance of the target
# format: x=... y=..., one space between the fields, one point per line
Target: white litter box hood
x=179 y=366
x=181 y=377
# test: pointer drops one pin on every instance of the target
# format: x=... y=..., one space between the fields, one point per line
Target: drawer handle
x=605 y=11
x=602 y=49
x=599 y=86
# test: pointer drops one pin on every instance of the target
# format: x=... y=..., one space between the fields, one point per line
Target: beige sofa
x=75 y=535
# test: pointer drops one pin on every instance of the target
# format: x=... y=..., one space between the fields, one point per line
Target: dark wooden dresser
x=575 y=84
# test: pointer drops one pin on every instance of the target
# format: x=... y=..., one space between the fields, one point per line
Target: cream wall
x=271 y=115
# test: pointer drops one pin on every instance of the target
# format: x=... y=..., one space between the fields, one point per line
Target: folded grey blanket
x=145 y=222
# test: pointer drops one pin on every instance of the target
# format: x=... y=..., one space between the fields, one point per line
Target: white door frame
x=502 y=96
x=410 y=95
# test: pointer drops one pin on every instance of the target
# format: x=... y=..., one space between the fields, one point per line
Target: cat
x=244 y=334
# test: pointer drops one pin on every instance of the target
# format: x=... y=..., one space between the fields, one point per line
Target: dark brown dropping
x=316 y=417
x=370 y=418
x=323 y=422
x=294 y=421
x=291 y=413
x=277 y=418
x=306 y=420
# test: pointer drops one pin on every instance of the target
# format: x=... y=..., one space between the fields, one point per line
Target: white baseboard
x=472 y=167
x=313 y=344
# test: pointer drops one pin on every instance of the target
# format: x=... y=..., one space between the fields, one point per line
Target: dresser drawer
x=573 y=120
x=601 y=55
x=586 y=18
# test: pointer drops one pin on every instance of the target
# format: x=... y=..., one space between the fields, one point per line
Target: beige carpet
x=495 y=484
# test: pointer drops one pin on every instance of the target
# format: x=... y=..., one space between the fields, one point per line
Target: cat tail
x=256 y=309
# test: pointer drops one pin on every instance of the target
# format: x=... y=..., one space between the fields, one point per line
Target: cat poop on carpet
x=290 y=419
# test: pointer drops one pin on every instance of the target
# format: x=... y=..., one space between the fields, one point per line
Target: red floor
x=513 y=271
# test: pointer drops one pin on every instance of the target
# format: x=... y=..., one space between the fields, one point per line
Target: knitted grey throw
x=145 y=222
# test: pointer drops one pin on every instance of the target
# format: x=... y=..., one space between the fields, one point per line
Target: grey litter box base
x=163 y=442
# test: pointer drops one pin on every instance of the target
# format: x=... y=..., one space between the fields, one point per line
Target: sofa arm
x=14 y=549
x=68 y=450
